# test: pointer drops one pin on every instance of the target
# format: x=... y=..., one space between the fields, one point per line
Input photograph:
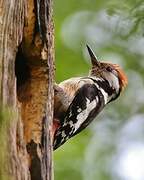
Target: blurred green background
x=112 y=147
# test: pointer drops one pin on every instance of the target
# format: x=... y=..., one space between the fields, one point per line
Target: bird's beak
x=93 y=57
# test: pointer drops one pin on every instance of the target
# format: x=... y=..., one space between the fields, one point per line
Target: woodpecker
x=79 y=100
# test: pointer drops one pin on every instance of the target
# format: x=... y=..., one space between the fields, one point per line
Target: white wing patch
x=71 y=123
x=85 y=113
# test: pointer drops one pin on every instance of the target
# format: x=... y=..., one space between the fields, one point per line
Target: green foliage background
x=115 y=30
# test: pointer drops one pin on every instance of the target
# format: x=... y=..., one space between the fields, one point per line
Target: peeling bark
x=27 y=51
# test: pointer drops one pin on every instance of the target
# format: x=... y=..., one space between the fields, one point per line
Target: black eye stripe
x=109 y=69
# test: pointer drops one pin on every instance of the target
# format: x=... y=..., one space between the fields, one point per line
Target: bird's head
x=112 y=73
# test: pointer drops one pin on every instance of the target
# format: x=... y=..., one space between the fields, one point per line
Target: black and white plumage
x=79 y=100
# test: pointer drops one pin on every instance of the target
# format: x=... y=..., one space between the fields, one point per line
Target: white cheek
x=113 y=81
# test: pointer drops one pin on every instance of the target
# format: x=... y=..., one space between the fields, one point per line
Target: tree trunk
x=26 y=80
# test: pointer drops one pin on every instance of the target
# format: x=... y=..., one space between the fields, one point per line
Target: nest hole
x=22 y=72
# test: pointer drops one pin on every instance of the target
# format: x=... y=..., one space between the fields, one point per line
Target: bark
x=27 y=75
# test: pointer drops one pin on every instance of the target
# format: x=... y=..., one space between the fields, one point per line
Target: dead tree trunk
x=26 y=80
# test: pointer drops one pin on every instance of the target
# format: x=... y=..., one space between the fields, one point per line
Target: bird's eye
x=109 y=69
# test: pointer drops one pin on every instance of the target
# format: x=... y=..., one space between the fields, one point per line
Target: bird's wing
x=87 y=103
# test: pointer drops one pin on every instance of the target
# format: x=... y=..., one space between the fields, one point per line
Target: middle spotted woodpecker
x=79 y=100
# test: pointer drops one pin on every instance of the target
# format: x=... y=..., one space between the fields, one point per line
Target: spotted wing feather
x=88 y=102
